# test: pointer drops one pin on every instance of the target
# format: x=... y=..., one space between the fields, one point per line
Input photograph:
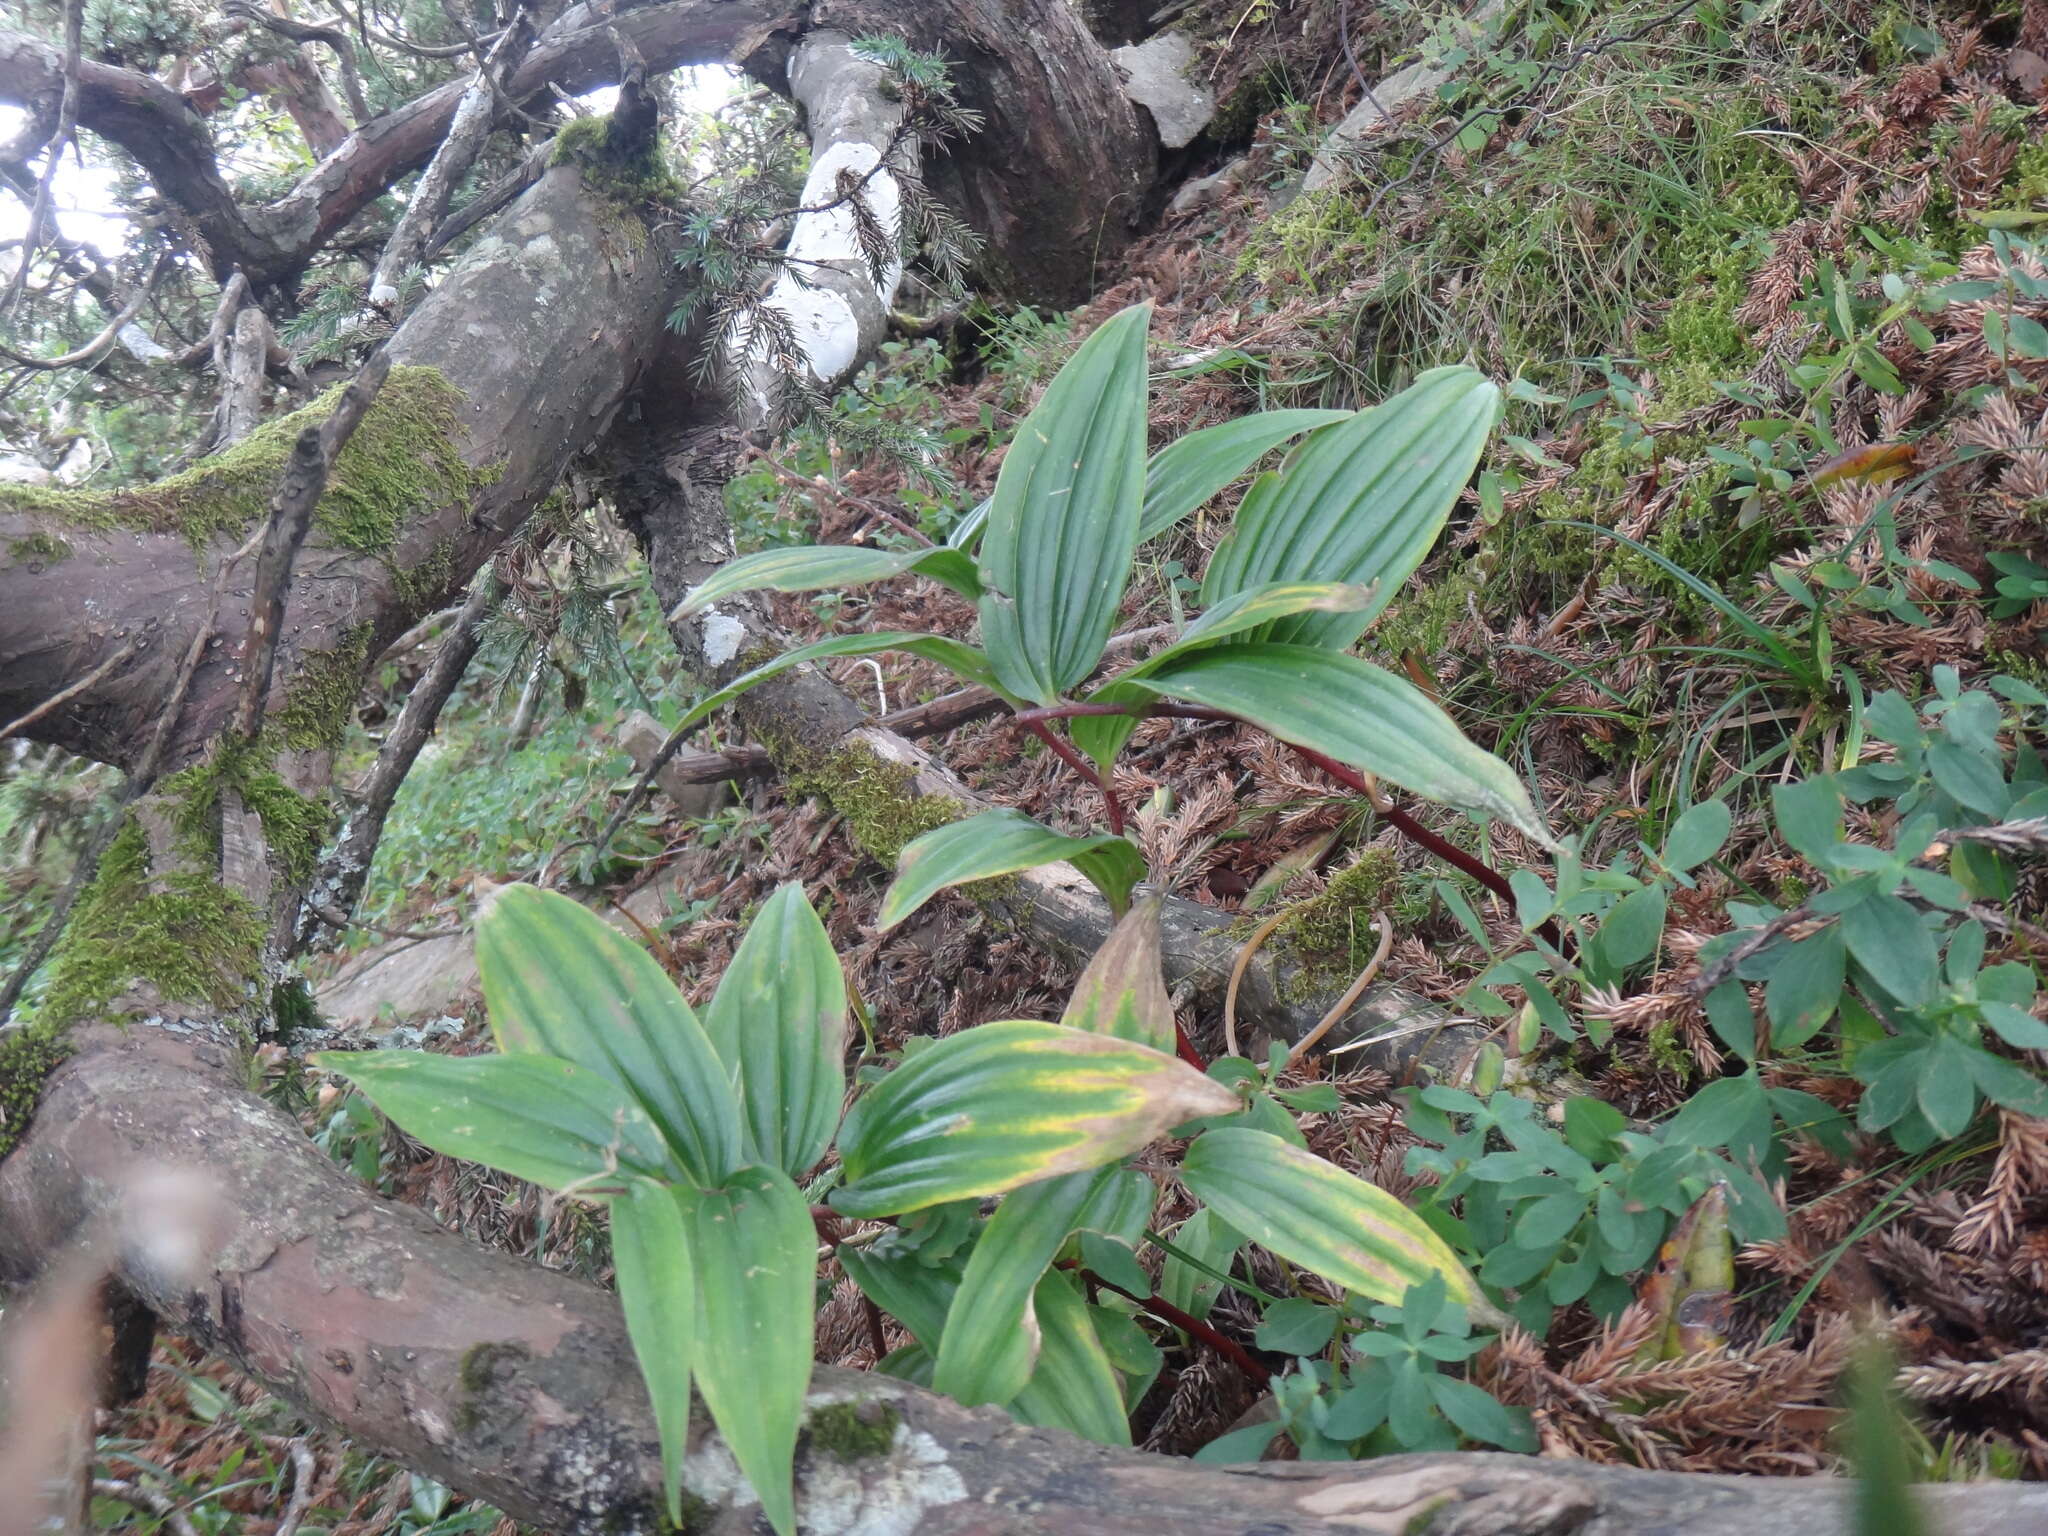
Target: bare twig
x=1351 y=995
x=305 y=1475
x=140 y=1496
x=72 y=691
x=1250 y=947
x=67 y=122
x=92 y=351
x=474 y=116
x=291 y=515
x=347 y=864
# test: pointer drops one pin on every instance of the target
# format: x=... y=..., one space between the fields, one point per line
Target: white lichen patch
x=723 y=637
x=885 y=1495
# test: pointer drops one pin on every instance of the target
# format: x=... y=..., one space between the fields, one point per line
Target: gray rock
x=1158 y=77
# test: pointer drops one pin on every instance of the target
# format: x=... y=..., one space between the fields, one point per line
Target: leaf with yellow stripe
x=1006 y=1104
x=1312 y=1213
x=561 y=981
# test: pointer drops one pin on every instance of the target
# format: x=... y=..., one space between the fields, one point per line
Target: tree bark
x=516 y=1384
x=1056 y=176
x=540 y=330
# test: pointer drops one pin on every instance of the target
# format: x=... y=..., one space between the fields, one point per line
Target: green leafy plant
x=1317 y=551
x=694 y=1130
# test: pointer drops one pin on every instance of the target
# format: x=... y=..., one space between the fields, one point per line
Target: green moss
x=292 y=825
x=477 y=1375
x=191 y=941
x=421 y=586
x=879 y=800
x=632 y=176
x=38 y=549
x=1329 y=926
x=854 y=1431
x=27 y=1058
x=402 y=459
x=1669 y=1052
x=322 y=697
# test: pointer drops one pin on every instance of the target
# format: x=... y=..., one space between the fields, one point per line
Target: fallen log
x=516 y=1384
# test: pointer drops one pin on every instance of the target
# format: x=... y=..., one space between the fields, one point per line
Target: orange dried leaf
x=1877 y=464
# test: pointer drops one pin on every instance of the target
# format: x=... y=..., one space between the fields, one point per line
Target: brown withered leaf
x=1123 y=992
x=1691 y=1290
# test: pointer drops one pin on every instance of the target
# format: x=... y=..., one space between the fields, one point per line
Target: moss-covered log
x=512 y=363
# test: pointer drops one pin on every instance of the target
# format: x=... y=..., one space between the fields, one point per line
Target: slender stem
x=1417 y=833
x=1029 y=717
x=1193 y=1327
x=1083 y=767
x=1185 y=1048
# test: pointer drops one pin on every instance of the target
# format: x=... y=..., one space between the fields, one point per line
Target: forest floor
x=1765 y=279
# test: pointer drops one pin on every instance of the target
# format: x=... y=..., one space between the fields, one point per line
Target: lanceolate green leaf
x=658 y=1294
x=964 y=661
x=812 y=567
x=1063 y=522
x=1066 y=1390
x=1122 y=992
x=778 y=1021
x=1312 y=1213
x=1212 y=1243
x=1359 y=714
x=552 y=1123
x=1001 y=843
x=1188 y=471
x=1103 y=736
x=991 y=1338
x=1360 y=502
x=1075 y=1387
x=1006 y=1104
x=560 y=981
x=754 y=1246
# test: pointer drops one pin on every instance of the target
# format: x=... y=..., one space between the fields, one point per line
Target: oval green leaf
x=1063 y=523
x=1361 y=715
x=553 y=1123
x=991 y=1108
x=1001 y=843
x=1312 y=1213
x=1360 y=502
x=1103 y=736
x=778 y=1022
x=560 y=981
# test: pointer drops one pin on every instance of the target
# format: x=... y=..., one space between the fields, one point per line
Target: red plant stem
x=1193 y=1327
x=1417 y=833
x=873 y=1314
x=1185 y=1048
x=1080 y=765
